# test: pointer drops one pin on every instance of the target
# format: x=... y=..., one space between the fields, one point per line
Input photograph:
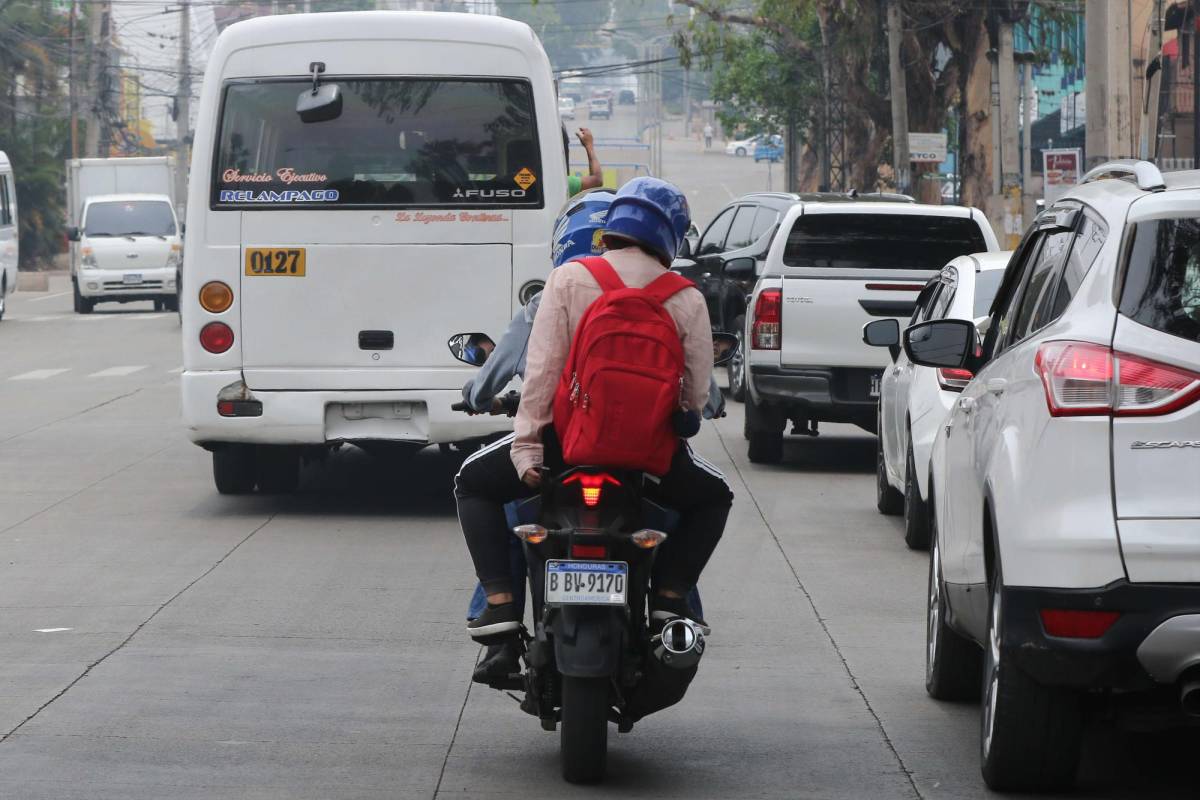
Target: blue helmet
x=579 y=227
x=652 y=213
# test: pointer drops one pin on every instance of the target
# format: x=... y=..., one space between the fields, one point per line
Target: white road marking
x=39 y=374
x=51 y=630
x=116 y=372
x=48 y=297
x=175 y=370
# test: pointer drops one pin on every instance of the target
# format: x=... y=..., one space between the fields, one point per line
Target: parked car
x=1066 y=538
x=566 y=108
x=836 y=263
x=769 y=149
x=10 y=242
x=725 y=263
x=599 y=107
x=914 y=401
x=742 y=147
x=627 y=97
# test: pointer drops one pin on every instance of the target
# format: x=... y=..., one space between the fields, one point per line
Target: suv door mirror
x=742 y=267
x=883 y=333
x=942 y=343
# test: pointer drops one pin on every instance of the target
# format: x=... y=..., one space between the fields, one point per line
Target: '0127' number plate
x=588 y=583
x=275 y=261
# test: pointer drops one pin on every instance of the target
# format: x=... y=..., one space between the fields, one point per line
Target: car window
x=5 y=202
x=129 y=218
x=987 y=283
x=946 y=296
x=739 y=231
x=1038 y=284
x=1162 y=283
x=1088 y=241
x=880 y=241
x=925 y=301
x=764 y=219
x=713 y=240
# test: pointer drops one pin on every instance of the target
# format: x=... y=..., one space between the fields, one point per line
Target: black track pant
x=693 y=487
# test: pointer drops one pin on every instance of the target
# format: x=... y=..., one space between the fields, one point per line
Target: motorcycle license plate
x=586 y=583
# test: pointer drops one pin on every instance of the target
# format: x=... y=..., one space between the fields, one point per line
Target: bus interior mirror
x=320 y=104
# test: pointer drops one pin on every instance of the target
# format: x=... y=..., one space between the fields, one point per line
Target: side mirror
x=685 y=249
x=73 y=233
x=320 y=104
x=725 y=347
x=942 y=343
x=883 y=333
x=471 y=348
x=743 y=267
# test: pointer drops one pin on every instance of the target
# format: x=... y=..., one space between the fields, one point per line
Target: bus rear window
x=398 y=143
x=880 y=241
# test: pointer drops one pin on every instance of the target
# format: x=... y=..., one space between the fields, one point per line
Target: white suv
x=914 y=401
x=837 y=262
x=1066 y=481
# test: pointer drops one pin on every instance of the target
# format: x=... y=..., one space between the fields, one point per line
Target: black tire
x=277 y=469
x=887 y=499
x=916 y=513
x=171 y=303
x=83 y=305
x=233 y=468
x=736 y=369
x=953 y=663
x=158 y=305
x=765 y=446
x=3 y=297
x=741 y=152
x=1030 y=734
x=583 y=739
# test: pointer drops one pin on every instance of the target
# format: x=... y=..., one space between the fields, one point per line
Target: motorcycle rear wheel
x=584 y=730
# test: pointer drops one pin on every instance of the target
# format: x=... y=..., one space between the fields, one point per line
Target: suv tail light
x=1072 y=624
x=765 y=333
x=954 y=380
x=1085 y=378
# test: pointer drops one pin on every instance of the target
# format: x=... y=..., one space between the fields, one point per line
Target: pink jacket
x=569 y=291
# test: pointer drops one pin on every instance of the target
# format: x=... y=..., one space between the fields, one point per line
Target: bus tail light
x=216 y=337
x=215 y=297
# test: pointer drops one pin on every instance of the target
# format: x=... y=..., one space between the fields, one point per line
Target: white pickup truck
x=838 y=262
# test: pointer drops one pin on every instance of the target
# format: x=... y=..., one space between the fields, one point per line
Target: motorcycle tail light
x=1073 y=624
x=648 y=539
x=588 y=551
x=591 y=486
x=531 y=534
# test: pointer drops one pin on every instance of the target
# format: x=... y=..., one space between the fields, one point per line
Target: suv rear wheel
x=887 y=500
x=953 y=663
x=737 y=365
x=916 y=513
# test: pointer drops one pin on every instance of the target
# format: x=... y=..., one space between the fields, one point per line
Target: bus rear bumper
x=419 y=416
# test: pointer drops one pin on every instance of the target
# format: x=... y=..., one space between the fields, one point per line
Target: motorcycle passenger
x=577 y=232
x=646 y=222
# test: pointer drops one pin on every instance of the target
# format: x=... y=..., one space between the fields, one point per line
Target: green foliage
x=760 y=89
x=38 y=154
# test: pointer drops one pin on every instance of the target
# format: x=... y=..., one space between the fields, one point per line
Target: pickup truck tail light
x=1082 y=378
x=767 y=329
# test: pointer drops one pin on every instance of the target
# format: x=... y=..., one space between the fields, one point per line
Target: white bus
x=363 y=186
x=10 y=240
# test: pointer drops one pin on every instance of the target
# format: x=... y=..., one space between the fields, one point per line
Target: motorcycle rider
x=577 y=232
x=646 y=222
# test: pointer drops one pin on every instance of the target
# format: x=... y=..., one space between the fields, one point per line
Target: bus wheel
x=278 y=469
x=233 y=468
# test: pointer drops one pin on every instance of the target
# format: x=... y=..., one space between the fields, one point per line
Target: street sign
x=1060 y=171
x=927 y=147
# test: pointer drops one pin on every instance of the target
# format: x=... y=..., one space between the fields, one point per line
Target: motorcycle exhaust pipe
x=1189 y=696
x=681 y=644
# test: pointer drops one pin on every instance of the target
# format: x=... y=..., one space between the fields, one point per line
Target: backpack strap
x=603 y=272
x=667 y=285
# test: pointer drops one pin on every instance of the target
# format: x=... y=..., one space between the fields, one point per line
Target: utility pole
x=72 y=79
x=183 y=102
x=1029 y=108
x=901 y=160
x=99 y=80
x=1110 y=129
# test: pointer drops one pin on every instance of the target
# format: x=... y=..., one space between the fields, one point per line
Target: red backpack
x=624 y=376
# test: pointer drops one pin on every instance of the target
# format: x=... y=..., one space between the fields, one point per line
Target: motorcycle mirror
x=471 y=348
x=725 y=345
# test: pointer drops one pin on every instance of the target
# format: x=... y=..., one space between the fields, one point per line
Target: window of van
x=129 y=218
x=399 y=143
x=6 y=215
x=880 y=241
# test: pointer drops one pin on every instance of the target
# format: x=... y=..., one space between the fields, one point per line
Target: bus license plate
x=275 y=261
x=586 y=583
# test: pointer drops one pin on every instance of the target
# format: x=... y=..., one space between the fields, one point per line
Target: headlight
x=88 y=257
x=175 y=257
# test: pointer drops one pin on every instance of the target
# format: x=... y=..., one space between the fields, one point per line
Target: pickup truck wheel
x=916 y=513
x=887 y=500
x=953 y=663
x=766 y=446
x=1030 y=734
x=277 y=469
x=233 y=468
x=737 y=365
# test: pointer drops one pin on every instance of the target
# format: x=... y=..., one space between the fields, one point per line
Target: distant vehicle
x=724 y=263
x=89 y=178
x=743 y=147
x=299 y=331
x=599 y=107
x=626 y=97
x=915 y=401
x=10 y=240
x=836 y=263
x=1064 y=569
x=769 y=149
x=566 y=108
x=130 y=248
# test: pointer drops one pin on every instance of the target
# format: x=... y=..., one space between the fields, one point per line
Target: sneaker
x=495 y=624
x=500 y=663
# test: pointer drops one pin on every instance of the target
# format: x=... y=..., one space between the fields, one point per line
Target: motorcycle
x=590 y=538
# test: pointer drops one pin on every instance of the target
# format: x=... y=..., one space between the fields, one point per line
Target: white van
x=10 y=243
x=333 y=250
x=129 y=250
